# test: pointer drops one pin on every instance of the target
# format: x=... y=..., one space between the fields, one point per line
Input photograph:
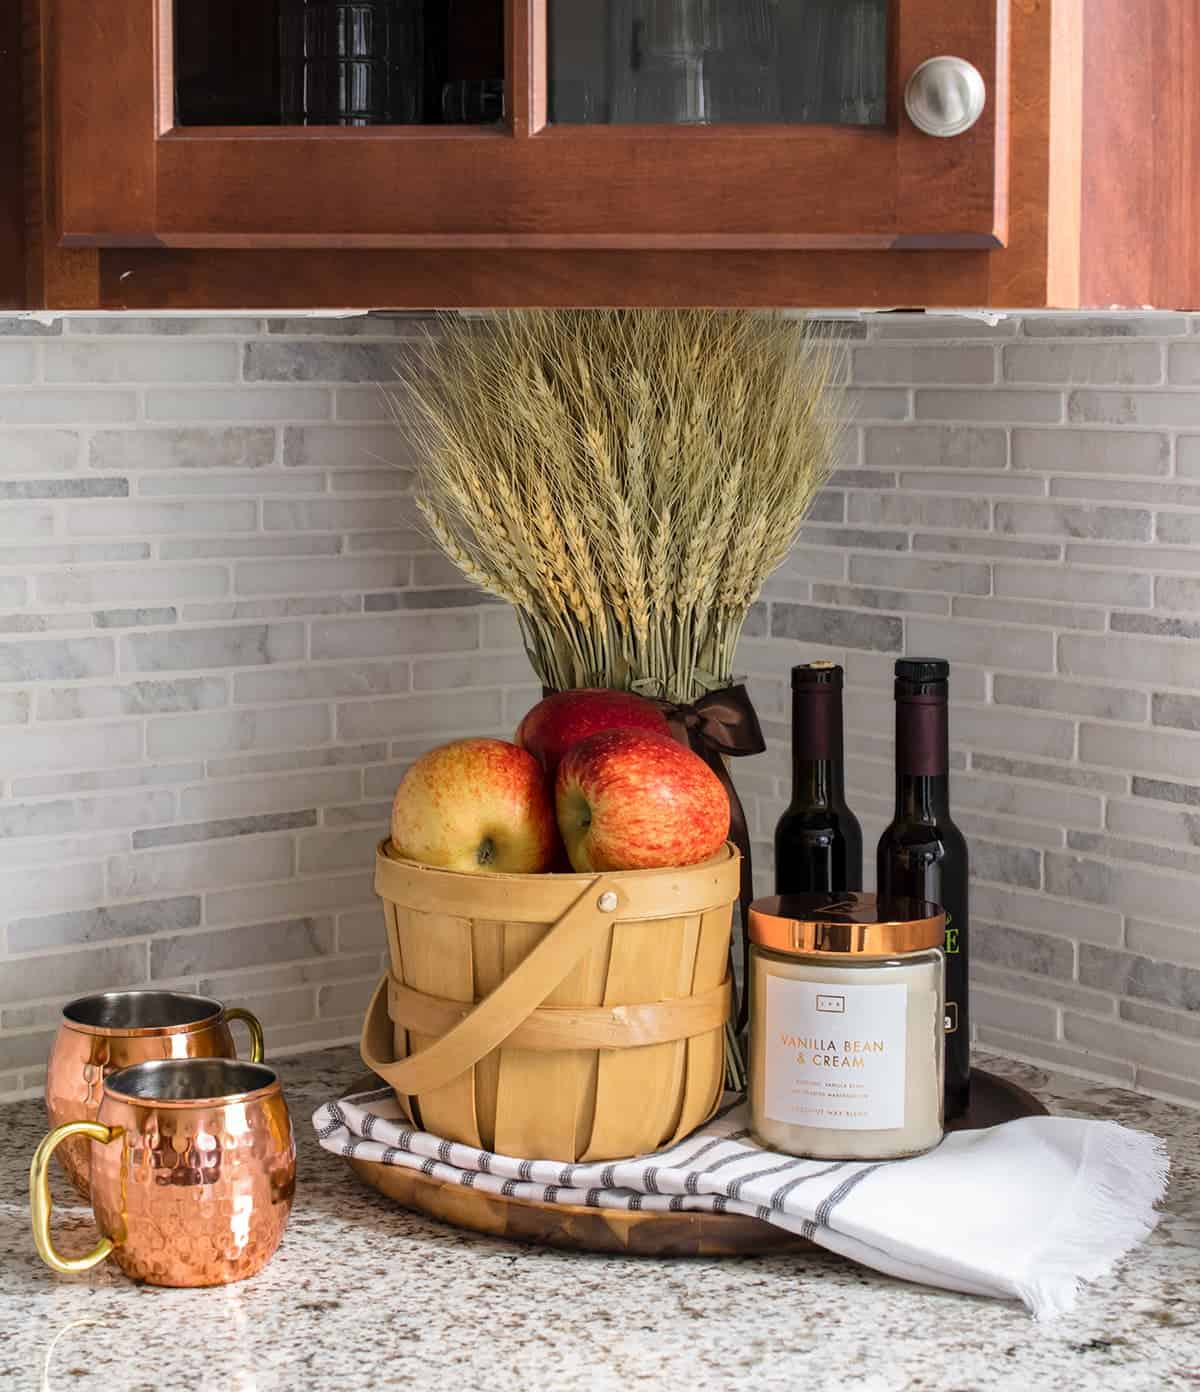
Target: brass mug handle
x=252 y=1023
x=41 y=1205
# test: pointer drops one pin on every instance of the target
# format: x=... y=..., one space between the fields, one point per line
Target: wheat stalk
x=626 y=479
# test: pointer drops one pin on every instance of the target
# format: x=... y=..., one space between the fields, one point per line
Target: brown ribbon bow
x=722 y=723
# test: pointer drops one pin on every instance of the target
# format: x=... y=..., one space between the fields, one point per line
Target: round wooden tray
x=579 y=1229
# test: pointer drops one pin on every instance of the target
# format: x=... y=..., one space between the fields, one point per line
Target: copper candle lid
x=849 y=922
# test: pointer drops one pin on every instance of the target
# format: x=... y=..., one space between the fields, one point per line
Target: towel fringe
x=1111 y=1208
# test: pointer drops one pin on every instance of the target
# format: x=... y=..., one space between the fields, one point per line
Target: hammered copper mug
x=193 y=1170
x=100 y=1034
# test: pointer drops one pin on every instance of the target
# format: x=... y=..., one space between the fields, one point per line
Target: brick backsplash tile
x=1128 y=452
x=159 y=325
x=224 y=633
x=1054 y=519
x=133 y=518
x=399 y=633
x=811 y=623
x=315 y=683
x=891 y=325
x=934 y=447
x=877 y=364
x=211 y=865
x=62 y=974
x=1019 y=950
x=1080 y=362
x=39 y=451
x=133 y=585
x=1061 y=806
x=277 y=360
x=950 y=577
x=129 y=361
x=1133 y=408
x=1151 y=751
x=59 y=405
x=1157 y=325
x=915 y=510
x=1031 y=612
x=997 y=405
x=1061 y=917
x=182 y=449
x=895 y=601
x=1071 y=698
x=237 y=404
x=458 y=712
x=144 y=919
x=1025 y=983
x=223 y=732
x=190 y=953
x=321 y=576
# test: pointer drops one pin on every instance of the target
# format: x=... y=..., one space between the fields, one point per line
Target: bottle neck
x=818 y=747
x=818 y=782
x=922 y=758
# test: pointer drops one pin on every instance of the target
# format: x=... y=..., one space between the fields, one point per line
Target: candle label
x=835 y=1056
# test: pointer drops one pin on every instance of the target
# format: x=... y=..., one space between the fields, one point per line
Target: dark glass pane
x=706 y=61
x=339 y=62
x=226 y=62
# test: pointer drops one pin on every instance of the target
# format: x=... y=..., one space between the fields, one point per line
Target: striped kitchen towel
x=1027 y=1210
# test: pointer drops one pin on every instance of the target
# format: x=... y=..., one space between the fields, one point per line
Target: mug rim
x=112 y=1084
x=215 y=1013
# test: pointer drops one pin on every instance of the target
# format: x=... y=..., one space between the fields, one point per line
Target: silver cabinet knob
x=945 y=96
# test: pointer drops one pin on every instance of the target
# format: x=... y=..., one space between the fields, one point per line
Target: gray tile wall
x=1020 y=497
x=222 y=634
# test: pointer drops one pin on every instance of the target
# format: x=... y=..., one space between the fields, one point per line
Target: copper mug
x=193 y=1170
x=100 y=1034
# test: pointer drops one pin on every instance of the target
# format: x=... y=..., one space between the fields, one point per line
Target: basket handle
x=498 y=1014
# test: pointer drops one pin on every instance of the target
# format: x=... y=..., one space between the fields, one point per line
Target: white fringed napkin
x=1027 y=1210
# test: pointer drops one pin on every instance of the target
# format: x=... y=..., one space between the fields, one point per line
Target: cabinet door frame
x=128 y=177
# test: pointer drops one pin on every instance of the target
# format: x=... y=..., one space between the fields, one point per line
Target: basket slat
x=705 y=1071
x=436 y=954
x=487 y=955
x=392 y=915
x=644 y=965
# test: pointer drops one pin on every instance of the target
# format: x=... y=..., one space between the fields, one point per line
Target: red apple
x=567 y=717
x=476 y=804
x=631 y=800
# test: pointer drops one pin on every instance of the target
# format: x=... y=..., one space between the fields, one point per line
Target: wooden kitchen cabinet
x=12 y=163
x=750 y=152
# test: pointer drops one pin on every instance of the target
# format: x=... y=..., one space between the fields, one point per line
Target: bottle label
x=835 y=1055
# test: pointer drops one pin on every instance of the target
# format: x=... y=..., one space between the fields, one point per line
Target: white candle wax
x=847 y=1053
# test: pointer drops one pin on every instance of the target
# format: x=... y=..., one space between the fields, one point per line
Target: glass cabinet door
x=534 y=125
x=699 y=62
x=338 y=62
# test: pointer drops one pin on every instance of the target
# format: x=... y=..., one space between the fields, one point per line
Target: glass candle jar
x=846 y=1025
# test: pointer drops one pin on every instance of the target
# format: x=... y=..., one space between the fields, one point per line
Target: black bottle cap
x=817 y=674
x=922 y=669
x=922 y=681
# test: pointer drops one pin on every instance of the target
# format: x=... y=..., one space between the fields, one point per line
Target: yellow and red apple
x=635 y=800
x=476 y=804
x=567 y=717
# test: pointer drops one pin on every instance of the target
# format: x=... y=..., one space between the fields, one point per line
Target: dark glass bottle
x=923 y=855
x=818 y=842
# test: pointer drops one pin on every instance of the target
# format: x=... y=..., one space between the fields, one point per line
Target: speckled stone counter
x=363 y=1295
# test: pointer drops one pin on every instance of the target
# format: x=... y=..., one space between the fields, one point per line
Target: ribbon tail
x=739 y=834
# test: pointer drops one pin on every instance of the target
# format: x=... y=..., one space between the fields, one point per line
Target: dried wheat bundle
x=626 y=479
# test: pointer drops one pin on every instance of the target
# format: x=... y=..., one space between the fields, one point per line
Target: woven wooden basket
x=561 y=1017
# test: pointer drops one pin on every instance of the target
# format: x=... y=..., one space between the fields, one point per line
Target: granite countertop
x=364 y=1295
